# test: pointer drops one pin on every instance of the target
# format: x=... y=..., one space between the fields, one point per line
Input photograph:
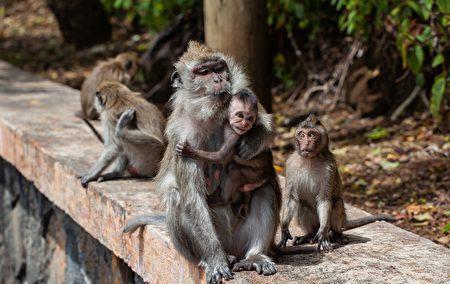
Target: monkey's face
x=211 y=78
x=130 y=64
x=308 y=142
x=242 y=116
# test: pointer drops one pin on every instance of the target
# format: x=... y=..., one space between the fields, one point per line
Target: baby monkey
x=314 y=190
x=244 y=175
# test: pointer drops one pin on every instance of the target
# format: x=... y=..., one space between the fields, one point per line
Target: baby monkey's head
x=243 y=111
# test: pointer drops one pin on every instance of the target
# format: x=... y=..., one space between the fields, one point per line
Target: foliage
x=151 y=14
x=296 y=21
x=421 y=33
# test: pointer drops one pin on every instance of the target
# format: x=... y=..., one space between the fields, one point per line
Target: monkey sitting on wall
x=133 y=133
x=120 y=69
x=205 y=80
x=314 y=190
x=243 y=175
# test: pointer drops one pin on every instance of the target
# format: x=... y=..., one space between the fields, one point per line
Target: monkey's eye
x=203 y=72
x=301 y=135
x=251 y=118
x=219 y=69
x=240 y=115
x=312 y=135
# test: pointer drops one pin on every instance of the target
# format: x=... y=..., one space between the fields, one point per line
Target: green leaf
x=387 y=165
x=446 y=228
x=444 y=6
x=428 y=4
x=437 y=94
x=420 y=80
x=378 y=133
x=437 y=60
x=415 y=59
x=423 y=217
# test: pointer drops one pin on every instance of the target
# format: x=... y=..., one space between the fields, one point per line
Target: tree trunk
x=239 y=28
x=82 y=22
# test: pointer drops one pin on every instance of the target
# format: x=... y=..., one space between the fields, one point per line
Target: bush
x=420 y=30
x=150 y=14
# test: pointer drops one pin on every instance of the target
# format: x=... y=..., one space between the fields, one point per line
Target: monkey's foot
x=339 y=238
x=125 y=119
x=215 y=274
x=261 y=263
x=285 y=236
x=323 y=242
x=303 y=240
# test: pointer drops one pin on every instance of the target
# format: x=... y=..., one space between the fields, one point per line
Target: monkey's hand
x=125 y=120
x=285 y=236
x=323 y=241
x=86 y=178
x=184 y=149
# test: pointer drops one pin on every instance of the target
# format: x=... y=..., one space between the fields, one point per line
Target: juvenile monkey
x=244 y=175
x=314 y=190
x=120 y=69
x=133 y=133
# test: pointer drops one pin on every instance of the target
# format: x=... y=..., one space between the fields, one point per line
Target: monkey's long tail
x=99 y=137
x=351 y=224
x=138 y=222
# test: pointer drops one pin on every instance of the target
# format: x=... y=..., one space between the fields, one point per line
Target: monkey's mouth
x=307 y=151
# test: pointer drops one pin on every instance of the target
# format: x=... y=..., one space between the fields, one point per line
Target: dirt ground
x=400 y=168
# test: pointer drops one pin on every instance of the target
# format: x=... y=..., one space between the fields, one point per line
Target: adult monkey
x=205 y=81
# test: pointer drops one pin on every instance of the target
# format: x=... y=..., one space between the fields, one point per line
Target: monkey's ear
x=175 y=80
x=312 y=118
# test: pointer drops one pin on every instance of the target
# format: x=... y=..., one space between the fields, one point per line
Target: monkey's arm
x=132 y=135
x=223 y=156
x=324 y=213
x=289 y=206
x=259 y=137
x=108 y=155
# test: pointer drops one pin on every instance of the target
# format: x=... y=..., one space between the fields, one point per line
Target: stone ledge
x=42 y=138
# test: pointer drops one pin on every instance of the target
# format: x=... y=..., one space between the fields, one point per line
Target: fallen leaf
x=444 y=240
x=421 y=224
x=423 y=217
x=386 y=165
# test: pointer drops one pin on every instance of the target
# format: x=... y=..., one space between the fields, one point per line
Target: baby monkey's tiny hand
x=184 y=149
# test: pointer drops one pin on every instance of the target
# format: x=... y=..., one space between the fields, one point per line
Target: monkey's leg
x=309 y=223
x=338 y=218
x=118 y=170
x=322 y=236
x=133 y=135
x=232 y=183
x=257 y=233
x=200 y=236
x=108 y=155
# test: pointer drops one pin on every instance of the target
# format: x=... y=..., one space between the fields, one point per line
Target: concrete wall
x=39 y=243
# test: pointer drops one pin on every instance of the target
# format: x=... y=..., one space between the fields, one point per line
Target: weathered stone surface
x=42 y=138
x=44 y=245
